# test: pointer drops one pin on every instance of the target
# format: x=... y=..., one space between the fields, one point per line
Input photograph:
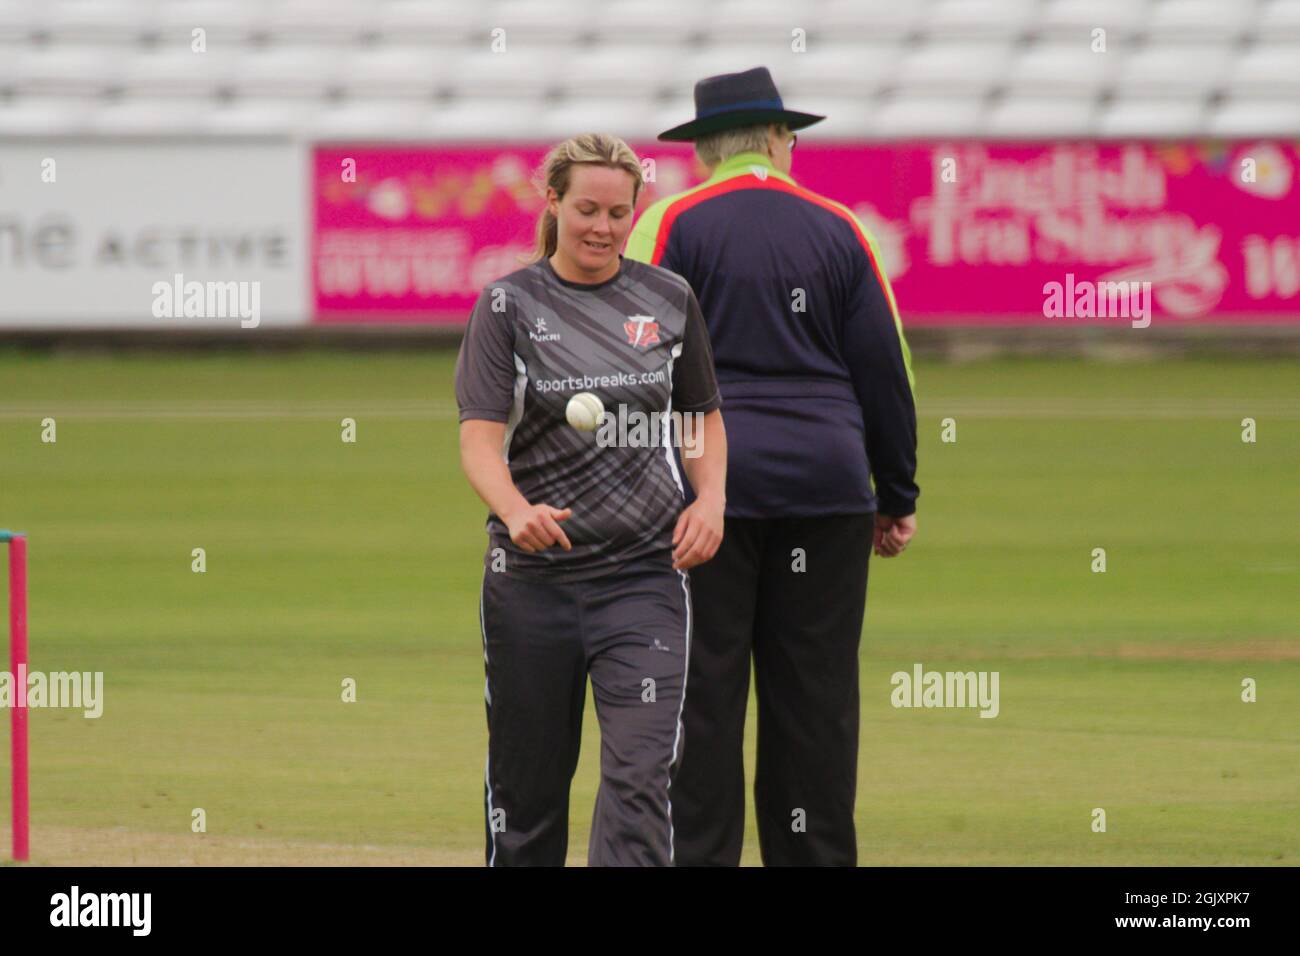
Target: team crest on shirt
x=642 y=331
x=539 y=332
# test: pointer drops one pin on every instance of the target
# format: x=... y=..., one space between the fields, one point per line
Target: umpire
x=816 y=376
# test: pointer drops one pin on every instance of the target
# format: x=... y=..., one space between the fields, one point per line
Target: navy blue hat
x=737 y=99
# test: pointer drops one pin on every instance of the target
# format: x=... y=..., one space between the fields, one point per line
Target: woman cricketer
x=588 y=539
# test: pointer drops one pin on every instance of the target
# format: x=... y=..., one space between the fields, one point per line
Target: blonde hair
x=715 y=148
x=594 y=149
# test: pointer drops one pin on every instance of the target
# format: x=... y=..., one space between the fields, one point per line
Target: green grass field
x=328 y=561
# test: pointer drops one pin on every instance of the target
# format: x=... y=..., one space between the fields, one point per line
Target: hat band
x=736 y=107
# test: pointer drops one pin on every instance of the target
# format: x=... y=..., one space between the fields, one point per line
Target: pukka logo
x=539 y=333
x=642 y=331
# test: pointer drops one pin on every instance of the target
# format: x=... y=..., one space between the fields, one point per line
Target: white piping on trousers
x=672 y=848
x=487 y=696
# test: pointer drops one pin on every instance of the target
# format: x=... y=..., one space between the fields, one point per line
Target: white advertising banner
x=143 y=234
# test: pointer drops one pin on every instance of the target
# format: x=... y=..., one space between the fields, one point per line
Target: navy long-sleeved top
x=811 y=359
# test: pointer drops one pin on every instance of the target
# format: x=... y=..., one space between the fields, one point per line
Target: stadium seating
x=881 y=68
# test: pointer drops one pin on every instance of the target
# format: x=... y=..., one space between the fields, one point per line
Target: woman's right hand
x=536 y=527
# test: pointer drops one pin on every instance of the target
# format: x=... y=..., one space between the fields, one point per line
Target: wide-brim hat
x=737 y=99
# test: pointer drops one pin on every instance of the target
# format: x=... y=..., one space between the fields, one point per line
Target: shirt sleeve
x=695 y=384
x=641 y=242
x=668 y=258
x=648 y=242
x=878 y=360
x=485 y=367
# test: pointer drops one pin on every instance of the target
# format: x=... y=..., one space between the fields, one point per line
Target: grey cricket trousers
x=630 y=631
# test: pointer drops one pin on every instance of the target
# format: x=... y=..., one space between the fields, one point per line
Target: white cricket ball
x=584 y=411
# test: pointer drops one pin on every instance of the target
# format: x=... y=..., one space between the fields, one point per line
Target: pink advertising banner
x=420 y=231
x=969 y=233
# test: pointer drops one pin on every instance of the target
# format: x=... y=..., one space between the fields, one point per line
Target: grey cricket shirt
x=637 y=340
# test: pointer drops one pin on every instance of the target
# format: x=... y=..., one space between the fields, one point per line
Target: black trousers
x=630 y=632
x=792 y=592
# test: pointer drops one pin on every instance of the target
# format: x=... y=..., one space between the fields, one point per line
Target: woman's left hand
x=698 y=533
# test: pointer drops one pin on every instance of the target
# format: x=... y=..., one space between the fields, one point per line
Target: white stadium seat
x=368 y=119
x=260 y=116
x=317 y=21
x=1269 y=68
x=393 y=71
x=172 y=71
x=845 y=21
x=618 y=71
x=909 y=115
x=12 y=53
x=1069 y=67
x=839 y=70
x=958 y=67
x=148 y=117
x=1174 y=67
x=1041 y=117
x=630 y=120
x=103 y=21
x=1075 y=20
x=506 y=119
x=1211 y=19
x=1280 y=20
x=523 y=74
x=1255 y=117
x=84 y=69
x=647 y=21
x=225 y=24
x=542 y=25
x=763 y=20
x=282 y=70
x=989 y=19
x=18 y=19
x=433 y=23
x=45 y=116
x=1147 y=118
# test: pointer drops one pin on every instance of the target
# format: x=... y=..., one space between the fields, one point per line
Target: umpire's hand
x=891 y=535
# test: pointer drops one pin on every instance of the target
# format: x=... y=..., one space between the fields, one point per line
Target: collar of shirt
x=740 y=164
